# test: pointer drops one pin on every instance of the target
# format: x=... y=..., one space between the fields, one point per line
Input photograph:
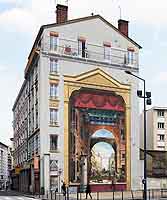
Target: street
x=12 y=196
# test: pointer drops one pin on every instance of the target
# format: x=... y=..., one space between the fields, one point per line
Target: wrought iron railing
x=75 y=194
x=115 y=56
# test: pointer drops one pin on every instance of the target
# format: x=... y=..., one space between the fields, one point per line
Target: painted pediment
x=97 y=77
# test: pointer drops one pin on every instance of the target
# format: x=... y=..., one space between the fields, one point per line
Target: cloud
x=149 y=12
x=10 y=82
x=26 y=17
x=20 y=20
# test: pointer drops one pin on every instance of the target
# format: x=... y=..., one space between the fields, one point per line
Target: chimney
x=61 y=13
x=123 y=26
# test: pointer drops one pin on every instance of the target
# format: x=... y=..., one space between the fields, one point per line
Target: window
x=53 y=90
x=53 y=41
x=36 y=144
x=161 y=125
x=53 y=66
x=123 y=156
x=53 y=165
x=36 y=119
x=1 y=154
x=53 y=142
x=161 y=137
x=160 y=113
x=53 y=116
x=130 y=59
x=107 y=51
x=82 y=48
x=54 y=183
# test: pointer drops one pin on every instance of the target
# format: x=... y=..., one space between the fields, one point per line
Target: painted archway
x=103 y=162
x=92 y=111
x=103 y=156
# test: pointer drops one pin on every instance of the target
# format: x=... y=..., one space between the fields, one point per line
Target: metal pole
x=149 y=194
x=97 y=195
x=145 y=145
x=59 y=190
x=67 y=193
x=77 y=195
x=55 y=195
x=145 y=137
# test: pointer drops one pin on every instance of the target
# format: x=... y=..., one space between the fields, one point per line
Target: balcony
x=96 y=53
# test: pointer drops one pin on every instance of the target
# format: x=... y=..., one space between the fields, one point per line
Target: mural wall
x=97 y=137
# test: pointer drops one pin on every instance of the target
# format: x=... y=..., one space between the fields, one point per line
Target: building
x=156 y=131
x=3 y=165
x=10 y=166
x=75 y=85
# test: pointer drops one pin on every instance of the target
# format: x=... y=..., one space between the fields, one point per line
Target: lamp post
x=145 y=96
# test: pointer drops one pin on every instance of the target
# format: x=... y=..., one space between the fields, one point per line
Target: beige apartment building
x=76 y=95
x=156 y=129
x=156 y=146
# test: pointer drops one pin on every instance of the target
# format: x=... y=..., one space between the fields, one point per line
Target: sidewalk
x=13 y=192
x=126 y=195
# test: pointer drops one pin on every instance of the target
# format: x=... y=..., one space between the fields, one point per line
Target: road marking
x=8 y=198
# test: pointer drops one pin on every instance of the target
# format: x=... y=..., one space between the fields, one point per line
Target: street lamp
x=147 y=99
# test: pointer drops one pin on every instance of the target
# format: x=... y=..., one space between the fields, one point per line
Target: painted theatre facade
x=98 y=110
x=87 y=106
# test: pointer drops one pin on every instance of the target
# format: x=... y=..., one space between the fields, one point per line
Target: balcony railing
x=115 y=56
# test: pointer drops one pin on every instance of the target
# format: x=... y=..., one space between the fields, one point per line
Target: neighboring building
x=74 y=85
x=156 y=129
x=3 y=165
x=10 y=166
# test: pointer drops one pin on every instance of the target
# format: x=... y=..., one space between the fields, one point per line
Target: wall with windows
x=156 y=129
x=161 y=129
x=3 y=165
x=51 y=118
x=79 y=40
x=26 y=118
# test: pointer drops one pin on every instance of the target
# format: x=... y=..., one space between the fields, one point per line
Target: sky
x=20 y=21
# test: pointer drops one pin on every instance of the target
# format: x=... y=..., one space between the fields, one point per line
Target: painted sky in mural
x=104 y=151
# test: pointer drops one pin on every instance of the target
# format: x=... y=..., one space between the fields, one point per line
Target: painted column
x=84 y=168
x=128 y=148
x=46 y=172
x=66 y=145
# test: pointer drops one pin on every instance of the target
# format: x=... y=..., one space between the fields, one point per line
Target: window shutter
x=55 y=34
x=107 y=44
